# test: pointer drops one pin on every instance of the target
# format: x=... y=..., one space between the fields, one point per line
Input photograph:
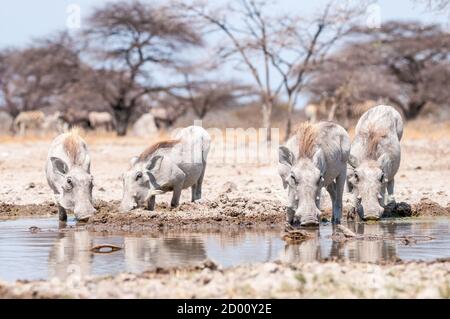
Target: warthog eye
x=69 y=183
x=321 y=180
x=382 y=177
x=293 y=179
x=139 y=175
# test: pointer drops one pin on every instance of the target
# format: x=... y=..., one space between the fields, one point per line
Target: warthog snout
x=307 y=219
x=370 y=211
x=83 y=214
x=126 y=206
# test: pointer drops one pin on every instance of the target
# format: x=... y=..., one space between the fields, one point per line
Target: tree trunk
x=332 y=112
x=267 y=118
x=414 y=108
x=289 y=120
x=121 y=118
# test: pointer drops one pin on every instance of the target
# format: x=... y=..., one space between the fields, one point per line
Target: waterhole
x=39 y=248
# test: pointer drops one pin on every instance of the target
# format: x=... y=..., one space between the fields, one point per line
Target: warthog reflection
x=142 y=252
x=72 y=255
x=320 y=248
x=371 y=250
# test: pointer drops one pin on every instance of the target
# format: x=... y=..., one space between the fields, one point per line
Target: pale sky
x=22 y=20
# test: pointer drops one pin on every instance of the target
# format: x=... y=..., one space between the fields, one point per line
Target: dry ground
x=267 y=280
x=230 y=189
x=424 y=171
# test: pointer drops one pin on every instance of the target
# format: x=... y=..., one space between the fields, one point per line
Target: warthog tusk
x=359 y=197
x=379 y=196
x=153 y=192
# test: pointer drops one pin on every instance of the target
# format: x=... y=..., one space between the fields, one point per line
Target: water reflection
x=306 y=251
x=322 y=246
x=70 y=253
x=57 y=252
x=141 y=252
x=370 y=250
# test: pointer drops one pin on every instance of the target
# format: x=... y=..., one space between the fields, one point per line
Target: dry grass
x=414 y=130
x=424 y=129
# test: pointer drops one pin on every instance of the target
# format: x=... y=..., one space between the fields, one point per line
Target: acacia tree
x=246 y=46
x=204 y=96
x=202 y=92
x=134 y=40
x=303 y=46
x=436 y=5
x=279 y=51
x=36 y=76
x=405 y=63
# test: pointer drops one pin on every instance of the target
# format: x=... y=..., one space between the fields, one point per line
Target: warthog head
x=76 y=185
x=143 y=180
x=304 y=180
x=366 y=180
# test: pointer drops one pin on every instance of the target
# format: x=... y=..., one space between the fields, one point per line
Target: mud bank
x=224 y=211
x=267 y=280
x=32 y=210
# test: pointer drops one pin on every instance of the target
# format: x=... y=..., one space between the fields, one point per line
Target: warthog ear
x=319 y=161
x=87 y=164
x=383 y=162
x=351 y=178
x=285 y=156
x=59 y=166
x=134 y=160
x=154 y=163
x=353 y=161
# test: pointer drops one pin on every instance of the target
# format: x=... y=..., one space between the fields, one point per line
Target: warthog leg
x=62 y=213
x=176 y=196
x=198 y=192
x=390 y=191
x=151 y=202
x=336 y=189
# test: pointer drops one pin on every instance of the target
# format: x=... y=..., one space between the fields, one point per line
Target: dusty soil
x=235 y=195
x=30 y=210
x=233 y=192
x=234 y=212
x=268 y=280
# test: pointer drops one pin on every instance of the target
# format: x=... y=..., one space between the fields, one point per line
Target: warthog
x=101 y=119
x=68 y=175
x=33 y=120
x=315 y=157
x=374 y=160
x=171 y=165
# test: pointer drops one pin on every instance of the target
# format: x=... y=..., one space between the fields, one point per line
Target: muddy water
x=56 y=251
